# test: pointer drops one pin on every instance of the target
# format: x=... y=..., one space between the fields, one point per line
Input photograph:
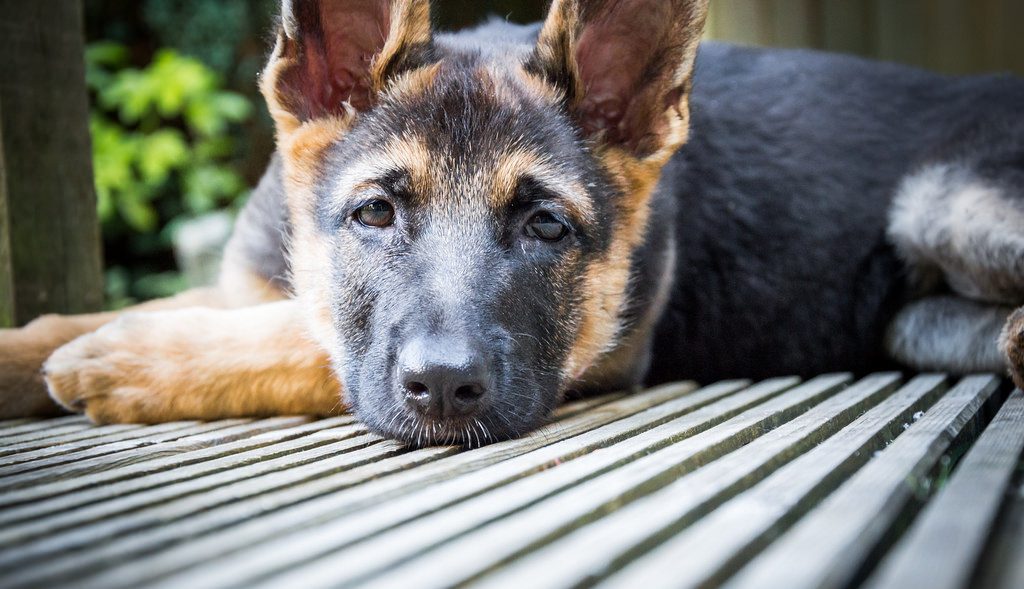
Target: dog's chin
x=397 y=422
x=419 y=432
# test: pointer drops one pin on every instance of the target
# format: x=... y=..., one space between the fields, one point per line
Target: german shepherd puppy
x=457 y=229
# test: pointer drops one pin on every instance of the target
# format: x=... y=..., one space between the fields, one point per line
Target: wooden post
x=50 y=242
x=6 y=274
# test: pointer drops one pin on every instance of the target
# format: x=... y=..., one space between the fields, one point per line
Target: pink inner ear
x=355 y=32
x=614 y=55
x=338 y=51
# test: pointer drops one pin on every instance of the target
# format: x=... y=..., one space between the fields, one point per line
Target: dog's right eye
x=376 y=213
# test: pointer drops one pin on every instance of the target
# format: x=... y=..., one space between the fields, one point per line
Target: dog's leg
x=254 y=271
x=196 y=363
x=965 y=229
x=23 y=351
x=948 y=333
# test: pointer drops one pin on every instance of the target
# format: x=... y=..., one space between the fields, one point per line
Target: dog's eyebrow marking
x=517 y=164
x=406 y=154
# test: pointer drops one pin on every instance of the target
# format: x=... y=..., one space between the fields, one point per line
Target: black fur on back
x=781 y=200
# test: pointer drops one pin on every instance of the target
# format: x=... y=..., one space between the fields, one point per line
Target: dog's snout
x=443 y=376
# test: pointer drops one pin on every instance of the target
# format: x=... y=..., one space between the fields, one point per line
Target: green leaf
x=160 y=153
x=106 y=53
x=206 y=185
x=231 y=106
x=136 y=211
x=160 y=285
x=212 y=148
x=203 y=119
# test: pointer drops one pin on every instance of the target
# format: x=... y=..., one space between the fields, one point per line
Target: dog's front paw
x=22 y=353
x=108 y=374
x=1012 y=342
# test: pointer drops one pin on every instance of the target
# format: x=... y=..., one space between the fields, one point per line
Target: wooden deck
x=833 y=482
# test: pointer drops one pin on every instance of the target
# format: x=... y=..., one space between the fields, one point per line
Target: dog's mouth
x=469 y=432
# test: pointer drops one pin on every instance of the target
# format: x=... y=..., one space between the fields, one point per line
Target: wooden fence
x=954 y=36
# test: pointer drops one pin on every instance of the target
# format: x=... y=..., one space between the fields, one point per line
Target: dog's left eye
x=377 y=213
x=546 y=227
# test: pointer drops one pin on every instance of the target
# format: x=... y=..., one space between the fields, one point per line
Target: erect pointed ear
x=624 y=67
x=333 y=57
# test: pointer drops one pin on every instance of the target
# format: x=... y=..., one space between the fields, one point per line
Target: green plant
x=161 y=125
x=161 y=153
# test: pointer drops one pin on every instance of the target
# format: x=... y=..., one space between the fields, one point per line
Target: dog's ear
x=624 y=67
x=333 y=57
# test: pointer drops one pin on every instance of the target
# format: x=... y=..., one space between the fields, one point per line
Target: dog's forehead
x=471 y=129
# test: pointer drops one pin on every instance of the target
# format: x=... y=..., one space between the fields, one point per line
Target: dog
x=457 y=229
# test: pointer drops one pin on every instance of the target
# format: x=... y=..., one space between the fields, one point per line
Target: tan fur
x=539 y=88
x=557 y=42
x=1011 y=342
x=608 y=279
x=412 y=83
x=195 y=364
x=280 y=61
x=410 y=25
x=517 y=163
x=237 y=286
x=23 y=351
x=616 y=367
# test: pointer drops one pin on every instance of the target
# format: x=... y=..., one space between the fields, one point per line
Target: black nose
x=443 y=376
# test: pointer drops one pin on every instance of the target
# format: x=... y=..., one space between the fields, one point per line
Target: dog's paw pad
x=89 y=376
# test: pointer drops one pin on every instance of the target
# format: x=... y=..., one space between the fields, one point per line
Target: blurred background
x=180 y=134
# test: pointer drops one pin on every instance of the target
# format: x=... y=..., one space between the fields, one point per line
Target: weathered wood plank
x=317 y=501
x=699 y=483
x=117 y=497
x=944 y=545
x=582 y=405
x=642 y=464
x=41 y=424
x=159 y=545
x=49 y=458
x=10 y=424
x=599 y=548
x=707 y=552
x=829 y=545
x=1003 y=564
x=51 y=204
x=62 y=552
x=154 y=538
x=82 y=436
x=44 y=433
x=173 y=455
x=613 y=524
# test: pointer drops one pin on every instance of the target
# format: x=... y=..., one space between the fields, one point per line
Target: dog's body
x=774 y=218
x=827 y=213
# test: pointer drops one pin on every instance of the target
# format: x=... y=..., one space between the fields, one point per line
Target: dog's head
x=465 y=210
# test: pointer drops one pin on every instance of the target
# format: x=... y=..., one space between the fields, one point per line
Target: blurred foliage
x=159 y=129
x=160 y=153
